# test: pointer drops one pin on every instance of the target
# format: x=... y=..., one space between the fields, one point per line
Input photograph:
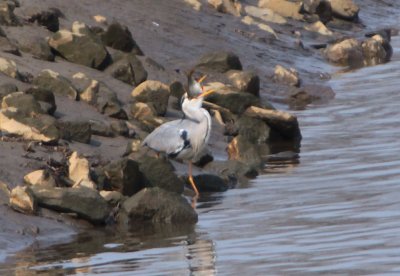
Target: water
x=335 y=212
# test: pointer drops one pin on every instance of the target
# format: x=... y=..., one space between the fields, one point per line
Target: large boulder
x=158 y=206
x=376 y=50
x=44 y=97
x=246 y=81
x=254 y=130
x=286 y=76
x=345 y=9
x=86 y=203
x=79 y=131
x=108 y=103
x=283 y=7
x=7 y=15
x=54 y=82
x=159 y=172
x=346 y=53
x=22 y=200
x=154 y=93
x=233 y=7
x=40 y=177
x=124 y=176
x=80 y=46
x=128 y=68
x=23 y=102
x=209 y=183
x=47 y=18
x=9 y=68
x=234 y=101
x=220 y=62
x=119 y=37
x=282 y=122
x=37 y=127
x=241 y=149
x=79 y=171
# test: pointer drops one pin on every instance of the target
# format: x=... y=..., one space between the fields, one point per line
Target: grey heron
x=184 y=138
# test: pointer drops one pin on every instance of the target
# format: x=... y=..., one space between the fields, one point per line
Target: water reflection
x=117 y=250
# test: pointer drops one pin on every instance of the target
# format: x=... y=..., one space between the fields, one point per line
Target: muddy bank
x=173 y=37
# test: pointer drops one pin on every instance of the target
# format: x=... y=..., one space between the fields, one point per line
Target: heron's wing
x=171 y=137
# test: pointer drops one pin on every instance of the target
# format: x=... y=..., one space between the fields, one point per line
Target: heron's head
x=195 y=89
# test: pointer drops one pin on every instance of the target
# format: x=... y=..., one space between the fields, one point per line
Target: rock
x=320 y=28
x=241 y=149
x=233 y=7
x=346 y=53
x=345 y=9
x=119 y=37
x=7 y=88
x=310 y=6
x=265 y=14
x=54 y=82
x=220 y=62
x=31 y=39
x=100 y=19
x=159 y=172
x=124 y=176
x=286 y=76
x=252 y=129
x=9 y=68
x=250 y=21
x=146 y=114
x=158 y=206
x=4 y=193
x=40 y=177
x=23 y=102
x=48 y=18
x=310 y=93
x=22 y=200
x=80 y=46
x=195 y=4
x=113 y=197
x=234 y=101
x=101 y=128
x=107 y=103
x=245 y=81
x=133 y=146
x=87 y=88
x=86 y=203
x=8 y=47
x=119 y=127
x=203 y=157
x=283 y=7
x=79 y=131
x=209 y=183
x=154 y=93
x=40 y=127
x=280 y=121
x=176 y=89
x=7 y=15
x=79 y=170
x=374 y=50
x=128 y=69
x=44 y=97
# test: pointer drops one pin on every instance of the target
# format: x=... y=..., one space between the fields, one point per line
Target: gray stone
x=22 y=200
x=128 y=68
x=54 y=82
x=124 y=176
x=252 y=129
x=107 y=103
x=245 y=81
x=101 y=128
x=158 y=206
x=119 y=127
x=7 y=15
x=7 y=88
x=119 y=37
x=220 y=62
x=23 y=102
x=346 y=53
x=209 y=183
x=154 y=93
x=47 y=18
x=79 y=131
x=286 y=76
x=241 y=149
x=40 y=127
x=40 y=177
x=44 y=97
x=345 y=9
x=233 y=7
x=86 y=203
x=80 y=46
x=9 y=68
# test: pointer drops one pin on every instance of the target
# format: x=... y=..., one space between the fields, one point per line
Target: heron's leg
x=191 y=179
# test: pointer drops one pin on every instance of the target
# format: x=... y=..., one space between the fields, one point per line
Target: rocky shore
x=82 y=84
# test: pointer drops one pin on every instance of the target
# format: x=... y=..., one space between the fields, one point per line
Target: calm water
x=336 y=212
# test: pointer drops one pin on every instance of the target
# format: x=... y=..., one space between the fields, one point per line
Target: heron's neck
x=192 y=109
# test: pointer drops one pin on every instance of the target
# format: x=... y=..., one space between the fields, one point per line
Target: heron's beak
x=202 y=79
x=206 y=93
